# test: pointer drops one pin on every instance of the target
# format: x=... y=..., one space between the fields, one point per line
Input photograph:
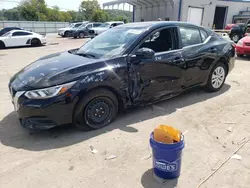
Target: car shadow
x=13 y=135
x=21 y=47
x=149 y=180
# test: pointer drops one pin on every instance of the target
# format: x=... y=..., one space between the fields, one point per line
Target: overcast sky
x=63 y=4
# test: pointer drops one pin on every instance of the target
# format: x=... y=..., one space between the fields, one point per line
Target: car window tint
x=20 y=34
x=78 y=25
x=96 y=25
x=162 y=41
x=204 y=35
x=190 y=36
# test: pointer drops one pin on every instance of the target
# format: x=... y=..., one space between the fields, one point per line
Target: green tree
x=99 y=16
x=87 y=7
x=33 y=10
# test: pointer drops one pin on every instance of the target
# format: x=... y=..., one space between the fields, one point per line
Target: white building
x=208 y=13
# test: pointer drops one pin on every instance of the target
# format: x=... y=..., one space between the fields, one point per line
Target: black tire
x=35 y=42
x=235 y=37
x=95 y=110
x=240 y=55
x=211 y=83
x=75 y=37
x=66 y=34
x=81 y=35
x=2 y=45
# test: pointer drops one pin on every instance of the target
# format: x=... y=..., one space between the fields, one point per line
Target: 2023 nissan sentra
x=130 y=65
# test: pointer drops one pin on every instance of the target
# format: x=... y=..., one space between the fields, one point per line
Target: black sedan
x=129 y=65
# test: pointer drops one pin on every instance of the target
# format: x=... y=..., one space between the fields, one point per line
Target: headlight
x=49 y=92
x=240 y=43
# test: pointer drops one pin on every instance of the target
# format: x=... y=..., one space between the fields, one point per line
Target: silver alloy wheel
x=236 y=38
x=218 y=77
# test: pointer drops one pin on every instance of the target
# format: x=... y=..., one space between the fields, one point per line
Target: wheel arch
x=119 y=97
x=2 y=42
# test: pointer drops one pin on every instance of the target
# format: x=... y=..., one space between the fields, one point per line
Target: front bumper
x=44 y=113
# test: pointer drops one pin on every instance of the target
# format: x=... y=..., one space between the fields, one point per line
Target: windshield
x=111 y=43
x=105 y=25
x=82 y=26
x=6 y=34
x=71 y=25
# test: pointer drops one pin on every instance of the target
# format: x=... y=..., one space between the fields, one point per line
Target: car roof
x=156 y=24
x=12 y=31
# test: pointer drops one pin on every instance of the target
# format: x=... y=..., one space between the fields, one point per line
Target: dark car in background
x=7 y=29
x=83 y=30
x=126 y=66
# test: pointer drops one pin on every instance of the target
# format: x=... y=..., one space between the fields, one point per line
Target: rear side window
x=190 y=36
x=97 y=25
x=20 y=34
x=204 y=35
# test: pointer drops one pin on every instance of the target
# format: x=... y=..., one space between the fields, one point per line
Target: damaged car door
x=155 y=67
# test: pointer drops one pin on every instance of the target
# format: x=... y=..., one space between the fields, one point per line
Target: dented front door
x=156 y=78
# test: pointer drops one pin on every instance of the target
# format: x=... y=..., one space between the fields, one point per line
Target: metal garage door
x=195 y=15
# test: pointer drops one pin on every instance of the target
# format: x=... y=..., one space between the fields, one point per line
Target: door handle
x=179 y=60
x=212 y=50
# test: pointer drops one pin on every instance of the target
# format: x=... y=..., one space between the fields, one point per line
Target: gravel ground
x=62 y=157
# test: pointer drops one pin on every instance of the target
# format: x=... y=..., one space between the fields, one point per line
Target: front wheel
x=81 y=35
x=216 y=78
x=95 y=110
x=240 y=55
x=35 y=42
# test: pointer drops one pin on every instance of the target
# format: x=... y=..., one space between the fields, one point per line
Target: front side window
x=111 y=43
x=77 y=25
x=190 y=36
x=162 y=41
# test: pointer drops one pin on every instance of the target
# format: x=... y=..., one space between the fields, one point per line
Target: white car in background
x=104 y=27
x=66 y=32
x=16 y=38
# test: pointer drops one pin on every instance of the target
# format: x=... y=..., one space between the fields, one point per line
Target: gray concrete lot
x=62 y=157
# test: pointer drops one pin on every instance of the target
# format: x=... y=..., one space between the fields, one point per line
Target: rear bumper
x=243 y=50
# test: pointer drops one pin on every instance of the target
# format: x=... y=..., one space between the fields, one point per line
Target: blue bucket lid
x=175 y=146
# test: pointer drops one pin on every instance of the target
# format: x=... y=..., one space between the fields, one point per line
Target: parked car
x=104 y=27
x=239 y=32
x=7 y=29
x=83 y=30
x=16 y=38
x=65 y=32
x=130 y=65
x=230 y=26
x=243 y=47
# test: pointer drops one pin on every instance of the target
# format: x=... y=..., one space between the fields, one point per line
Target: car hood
x=64 y=29
x=57 y=69
x=246 y=39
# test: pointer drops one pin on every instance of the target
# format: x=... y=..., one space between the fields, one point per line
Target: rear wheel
x=35 y=42
x=81 y=35
x=95 y=110
x=235 y=37
x=2 y=45
x=216 y=78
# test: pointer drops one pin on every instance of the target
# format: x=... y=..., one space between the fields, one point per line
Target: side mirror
x=145 y=53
